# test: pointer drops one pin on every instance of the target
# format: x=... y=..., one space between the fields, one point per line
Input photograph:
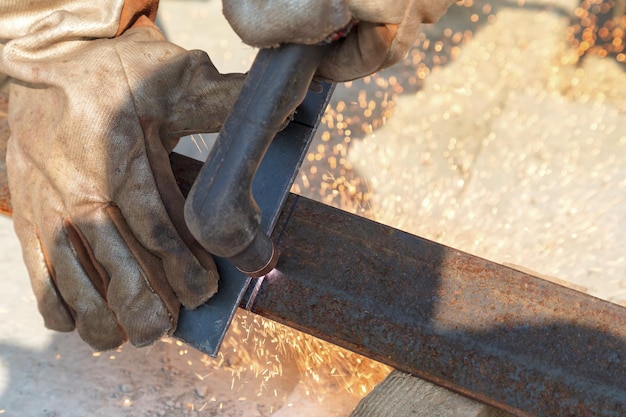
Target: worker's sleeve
x=29 y=29
x=99 y=19
x=95 y=19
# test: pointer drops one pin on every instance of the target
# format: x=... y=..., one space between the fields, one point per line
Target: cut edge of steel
x=503 y=337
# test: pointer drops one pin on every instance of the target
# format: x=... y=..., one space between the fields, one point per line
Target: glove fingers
x=385 y=31
x=55 y=312
x=363 y=52
x=189 y=268
x=138 y=292
x=193 y=281
x=378 y=11
x=399 y=11
x=182 y=90
x=203 y=97
x=95 y=322
x=383 y=37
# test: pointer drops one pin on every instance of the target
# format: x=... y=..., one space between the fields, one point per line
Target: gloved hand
x=95 y=205
x=384 y=32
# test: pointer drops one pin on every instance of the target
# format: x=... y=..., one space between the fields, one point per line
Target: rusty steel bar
x=522 y=344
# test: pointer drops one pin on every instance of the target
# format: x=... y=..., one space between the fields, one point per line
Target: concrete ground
x=490 y=138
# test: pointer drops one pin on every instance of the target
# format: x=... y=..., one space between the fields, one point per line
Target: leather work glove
x=383 y=32
x=95 y=204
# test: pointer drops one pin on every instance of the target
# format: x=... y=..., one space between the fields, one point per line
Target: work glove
x=382 y=31
x=95 y=204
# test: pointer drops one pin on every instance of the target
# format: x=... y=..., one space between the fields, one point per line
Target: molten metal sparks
x=255 y=346
x=326 y=175
x=599 y=27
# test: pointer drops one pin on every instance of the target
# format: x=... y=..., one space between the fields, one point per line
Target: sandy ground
x=503 y=146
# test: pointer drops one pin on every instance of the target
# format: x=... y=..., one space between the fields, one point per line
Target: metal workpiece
x=221 y=211
x=520 y=343
x=503 y=337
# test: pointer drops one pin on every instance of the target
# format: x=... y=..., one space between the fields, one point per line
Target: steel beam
x=520 y=343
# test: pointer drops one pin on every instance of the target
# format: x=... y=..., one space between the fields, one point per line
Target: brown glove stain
x=5 y=197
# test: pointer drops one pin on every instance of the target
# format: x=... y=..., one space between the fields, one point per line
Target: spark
x=599 y=28
x=195 y=142
x=202 y=377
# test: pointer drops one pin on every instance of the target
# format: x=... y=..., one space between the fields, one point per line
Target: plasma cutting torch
x=221 y=210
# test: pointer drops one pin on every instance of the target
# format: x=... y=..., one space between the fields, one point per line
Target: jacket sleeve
x=40 y=29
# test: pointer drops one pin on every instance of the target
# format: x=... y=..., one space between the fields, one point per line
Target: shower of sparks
x=326 y=174
x=195 y=142
x=258 y=349
x=599 y=27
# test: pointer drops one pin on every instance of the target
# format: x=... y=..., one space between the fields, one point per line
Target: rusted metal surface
x=506 y=338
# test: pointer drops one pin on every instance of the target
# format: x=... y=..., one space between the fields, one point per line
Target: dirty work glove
x=95 y=205
x=382 y=36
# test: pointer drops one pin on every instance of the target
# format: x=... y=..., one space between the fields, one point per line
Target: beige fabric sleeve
x=103 y=18
x=93 y=18
x=40 y=29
